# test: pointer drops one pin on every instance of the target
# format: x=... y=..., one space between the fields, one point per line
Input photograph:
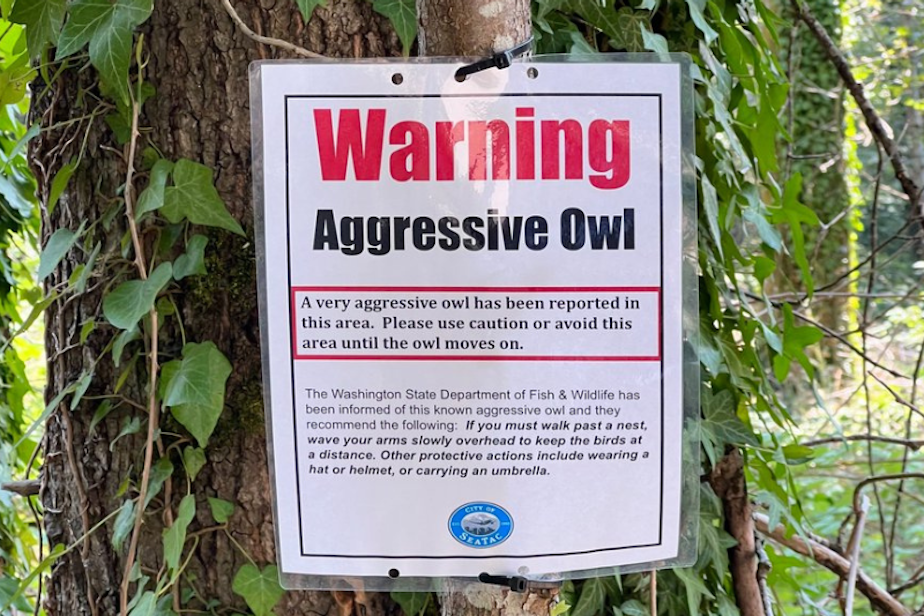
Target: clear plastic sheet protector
x=478 y=308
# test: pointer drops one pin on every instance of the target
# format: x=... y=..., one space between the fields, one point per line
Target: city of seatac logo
x=480 y=525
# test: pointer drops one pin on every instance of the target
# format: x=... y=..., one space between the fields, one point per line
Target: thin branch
x=898 y=398
x=831 y=560
x=854 y=552
x=843 y=339
x=876 y=125
x=878 y=479
x=266 y=40
x=22 y=488
x=911 y=444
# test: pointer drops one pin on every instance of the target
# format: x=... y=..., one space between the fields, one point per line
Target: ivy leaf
x=121 y=340
x=697 y=8
x=307 y=7
x=193 y=460
x=9 y=588
x=152 y=197
x=42 y=19
x=696 y=588
x=196 y=389
x=260 y=589
x=60 y=242
x=108 y=27
x=412 y=603
x=192 y=262
x=162 y=469
x=193 y=197
x=146 y=606
x=59 y=183
x=131 y=300
x=124 y=522
x=403 y=16
x=722 y=420
x=657 y=43
x=175 y=536
x=593 y=596
x=634 y=607
x=221 y=509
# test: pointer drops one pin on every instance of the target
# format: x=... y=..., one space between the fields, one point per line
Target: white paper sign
x=472 y=307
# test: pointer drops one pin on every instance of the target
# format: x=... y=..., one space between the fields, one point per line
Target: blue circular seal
x=480 y=525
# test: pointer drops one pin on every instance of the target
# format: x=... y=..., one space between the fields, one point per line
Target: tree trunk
x=198 y=65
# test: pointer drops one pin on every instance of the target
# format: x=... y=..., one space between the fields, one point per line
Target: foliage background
x=772 y=273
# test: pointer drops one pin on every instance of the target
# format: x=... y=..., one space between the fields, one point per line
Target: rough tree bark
x=728 y=482
x=198 y=64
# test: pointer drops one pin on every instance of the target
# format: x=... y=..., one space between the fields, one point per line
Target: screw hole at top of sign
x=393 y=573
x=532 y=72
x=397 y=79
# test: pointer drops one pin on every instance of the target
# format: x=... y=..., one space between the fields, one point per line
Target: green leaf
x=193 y=460
x=130 y=425
x=121 y=340
x=102 y=411
x=192 y=262
x=695 y=586
x=193 y=197
x=260 y=589
x=60 y=242
x=9 y=588
x=721 y=419
x=152 y=197
x=307 y=7
x=593 y=597
x=127 y=303
x=108 y=27
x=657 y=43
x=83 y=384
x=162 y=469
x=560 y=608
x=403 y=16
x=175 y=536
x=196 y=390
x=696 y=13
x=146 y=606
x=634 y=607
x=124 y=523
x=412 y=603
x=42 y=19
x=221 y=509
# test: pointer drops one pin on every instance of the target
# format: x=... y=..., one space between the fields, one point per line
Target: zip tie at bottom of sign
x=499 y=60
x=515 y=583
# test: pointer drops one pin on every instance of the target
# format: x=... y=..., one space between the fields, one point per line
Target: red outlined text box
x=296 y=355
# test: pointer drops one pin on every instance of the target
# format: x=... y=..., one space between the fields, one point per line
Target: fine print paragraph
x=615 y=324
x=445 y=433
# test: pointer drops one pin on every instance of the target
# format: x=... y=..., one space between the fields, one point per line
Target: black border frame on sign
x=660 y=309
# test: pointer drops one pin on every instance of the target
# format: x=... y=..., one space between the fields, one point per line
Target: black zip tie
x=515 y=583
x=499 y=60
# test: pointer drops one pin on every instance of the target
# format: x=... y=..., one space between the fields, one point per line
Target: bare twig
x=153 y=411
x=764 y=566
x=266 y=40
x=875 y=123
x=653 y=593
x=913 y=408
x=853 y=551
x=22 y=488
x=843 y=339
x=913 y=445
x=831 y=560
x=878 y=479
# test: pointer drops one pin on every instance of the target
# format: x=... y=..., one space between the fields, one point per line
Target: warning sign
x=472 y=315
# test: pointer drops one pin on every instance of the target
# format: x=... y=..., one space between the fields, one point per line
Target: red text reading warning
x=531 y=149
